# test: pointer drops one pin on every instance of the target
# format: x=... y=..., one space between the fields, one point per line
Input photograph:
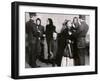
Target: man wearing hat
x=31 y=40
x=81 y=42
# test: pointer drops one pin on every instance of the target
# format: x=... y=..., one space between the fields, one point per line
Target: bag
x=66 y=61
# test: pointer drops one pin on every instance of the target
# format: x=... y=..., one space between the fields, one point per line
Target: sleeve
x=86 y=29
x=76 y=32
x=42 y=31
x=26 y=31
x=45 y=29
x=26 y=26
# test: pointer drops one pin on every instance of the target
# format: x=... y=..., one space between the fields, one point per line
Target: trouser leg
x=76 y=56
x=59 y=55
x=33 y=56
x=49 y=44
x=81 y=53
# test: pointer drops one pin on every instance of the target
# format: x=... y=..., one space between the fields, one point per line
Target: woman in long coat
x=50 y=29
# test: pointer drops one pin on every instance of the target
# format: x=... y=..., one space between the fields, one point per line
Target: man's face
x=33 y=18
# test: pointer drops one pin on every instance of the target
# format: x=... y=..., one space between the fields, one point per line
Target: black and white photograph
x=50 y=40
x=56 y=40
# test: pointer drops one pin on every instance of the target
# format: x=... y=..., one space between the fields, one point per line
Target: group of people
x=70 y=42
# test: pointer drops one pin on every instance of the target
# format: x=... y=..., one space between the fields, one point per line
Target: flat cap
x=82 y=17
x=32 y=14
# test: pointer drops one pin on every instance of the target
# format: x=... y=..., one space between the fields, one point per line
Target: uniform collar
x=31 y=20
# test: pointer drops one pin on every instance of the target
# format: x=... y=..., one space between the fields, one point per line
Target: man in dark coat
x=81 y=42
x=31 y=35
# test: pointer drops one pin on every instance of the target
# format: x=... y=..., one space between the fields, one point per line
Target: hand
x=43 y=35
x=69 y=33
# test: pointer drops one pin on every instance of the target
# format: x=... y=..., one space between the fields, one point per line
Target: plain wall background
x=5 y=40
x=57 y=19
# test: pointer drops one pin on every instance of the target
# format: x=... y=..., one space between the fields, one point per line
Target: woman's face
x=75 y=20
x=38 y=22
x=69 y=24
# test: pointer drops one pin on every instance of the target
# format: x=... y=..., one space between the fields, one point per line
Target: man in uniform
x=81 y=42
x=31 y=40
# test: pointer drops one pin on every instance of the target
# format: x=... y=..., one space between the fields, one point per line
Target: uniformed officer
x=81 y=42
x=31 y=40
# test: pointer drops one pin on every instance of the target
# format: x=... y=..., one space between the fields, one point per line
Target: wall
x=58 y=19
x=5 y=40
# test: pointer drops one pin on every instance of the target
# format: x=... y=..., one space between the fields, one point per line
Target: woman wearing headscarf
x=64 y=43
x=39 y=41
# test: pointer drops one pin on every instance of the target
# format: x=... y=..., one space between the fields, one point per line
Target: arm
x=54 y=30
